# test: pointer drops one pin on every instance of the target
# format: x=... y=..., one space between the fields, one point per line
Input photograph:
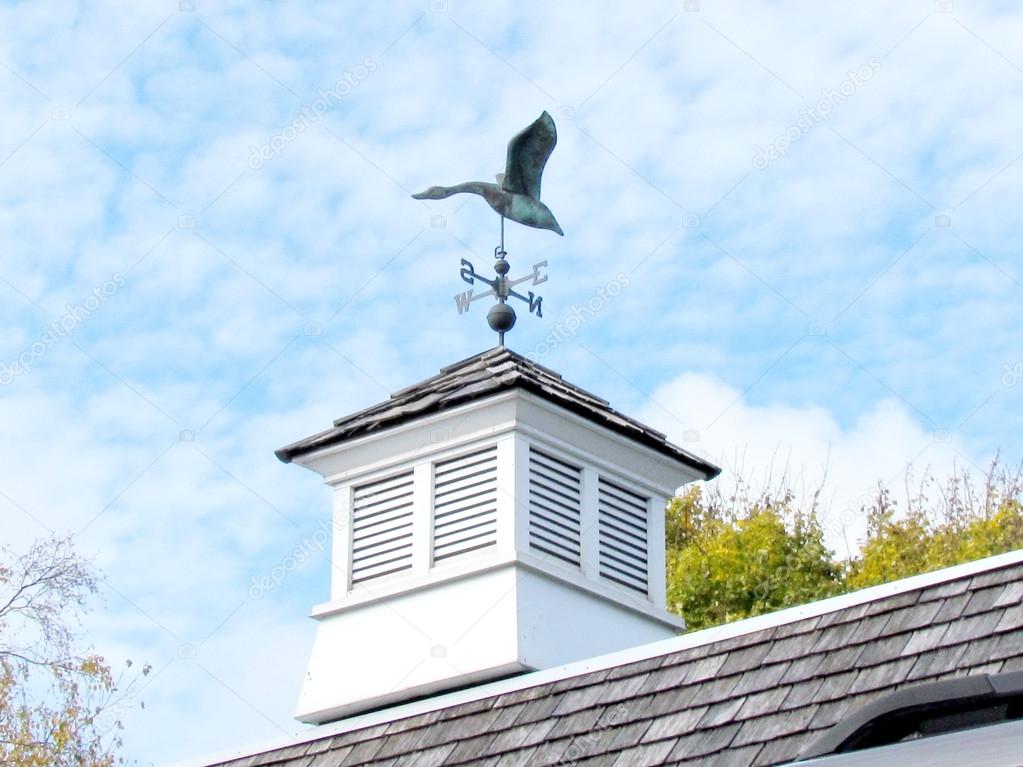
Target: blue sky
x=851 y=304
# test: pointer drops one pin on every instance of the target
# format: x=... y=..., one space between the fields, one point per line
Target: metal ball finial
x=501 y=319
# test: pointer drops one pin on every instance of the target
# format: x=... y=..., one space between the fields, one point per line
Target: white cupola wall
x=489 y=521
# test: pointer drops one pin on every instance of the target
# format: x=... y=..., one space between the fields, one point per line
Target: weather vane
x=515 y=196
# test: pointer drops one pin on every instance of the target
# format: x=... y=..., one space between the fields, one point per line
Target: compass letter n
x=535 y=304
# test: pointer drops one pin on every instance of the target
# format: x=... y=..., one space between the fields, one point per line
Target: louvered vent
x=382 y=528
x=555 y=505
x=623 y=536
x=465 y=504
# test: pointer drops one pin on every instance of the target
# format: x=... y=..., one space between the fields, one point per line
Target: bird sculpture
x=516 y=195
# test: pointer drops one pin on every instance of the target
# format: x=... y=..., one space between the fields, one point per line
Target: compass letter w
x=462 y=301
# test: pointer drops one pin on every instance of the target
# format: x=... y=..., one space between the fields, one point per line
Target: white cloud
x=805 y=445
x=667 y=108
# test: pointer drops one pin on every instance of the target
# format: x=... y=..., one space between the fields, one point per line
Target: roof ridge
x=493 y=351
x=632 y=655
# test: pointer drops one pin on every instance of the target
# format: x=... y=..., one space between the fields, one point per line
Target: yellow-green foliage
x=58 y=705
x=958 y=526
x=729 y=562
x=734 y=557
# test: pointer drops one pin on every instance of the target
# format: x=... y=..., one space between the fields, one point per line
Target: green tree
x=945 y=523
x=58 y=702
x=730 y=558
x=751 y=552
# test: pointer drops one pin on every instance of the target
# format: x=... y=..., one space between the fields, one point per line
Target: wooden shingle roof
x=484 y=375
x=752 y=693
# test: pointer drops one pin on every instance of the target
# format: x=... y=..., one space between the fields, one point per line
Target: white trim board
x=623 y=657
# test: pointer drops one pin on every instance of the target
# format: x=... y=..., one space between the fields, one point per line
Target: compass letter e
x=538 y=275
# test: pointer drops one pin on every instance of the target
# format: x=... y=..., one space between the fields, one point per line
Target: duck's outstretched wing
x=527 y=155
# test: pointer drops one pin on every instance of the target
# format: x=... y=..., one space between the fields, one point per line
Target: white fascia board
x=471 y=568
x=643 y=652
x=389 y=699
x=368 y=594
x=417 y=448
x=417 y=439
x=628 y=446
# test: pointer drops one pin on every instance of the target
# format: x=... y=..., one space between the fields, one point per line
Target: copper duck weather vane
x=515 y=196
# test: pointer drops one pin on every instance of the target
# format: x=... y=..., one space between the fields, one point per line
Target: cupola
x=490 y=520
